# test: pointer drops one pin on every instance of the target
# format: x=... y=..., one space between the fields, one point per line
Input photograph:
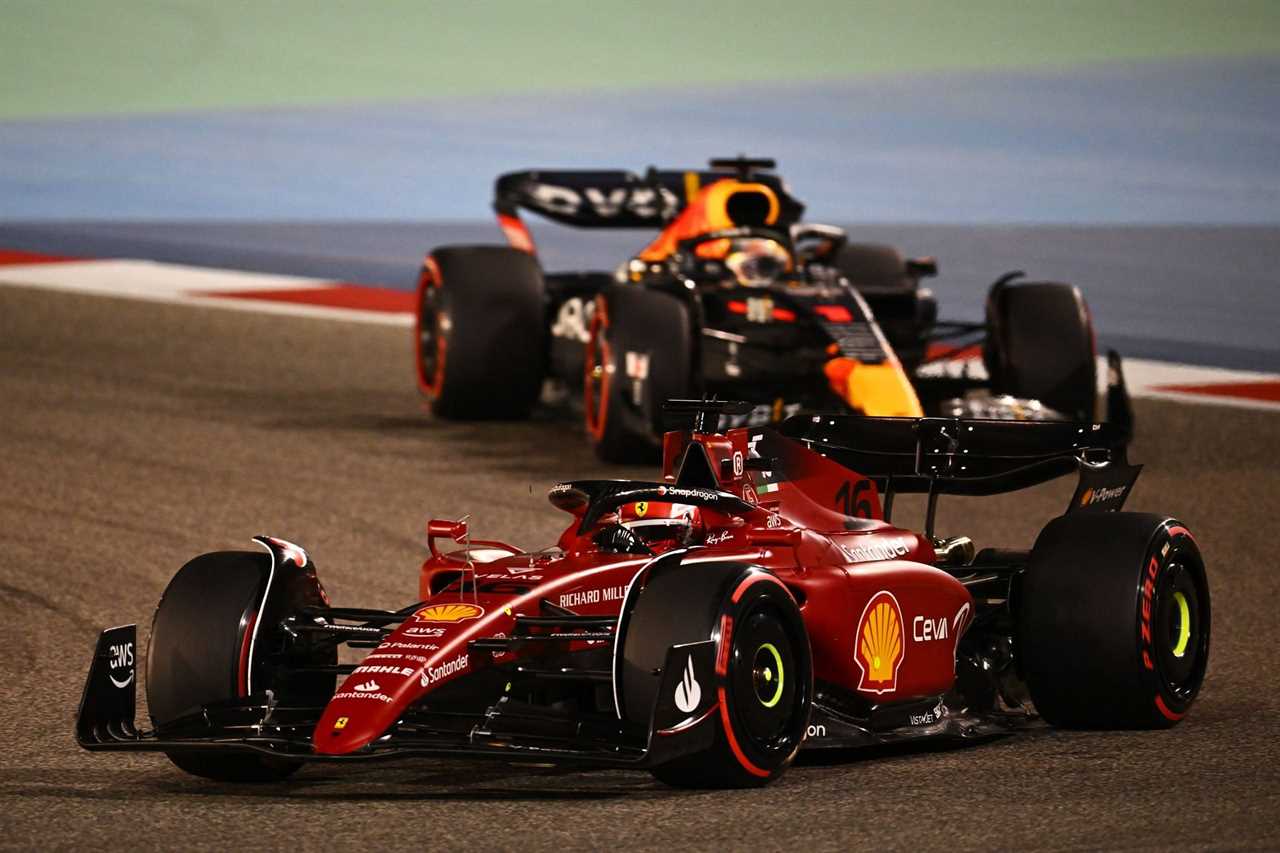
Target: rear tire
x=200 y=639
x=1113 y=621
x=905 y=312
x=767 y=686
x=874 y=267
x=480 y=335
x=1040 y=346
x=639 y=355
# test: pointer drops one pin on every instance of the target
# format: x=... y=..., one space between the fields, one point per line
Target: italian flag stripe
x=766 y=488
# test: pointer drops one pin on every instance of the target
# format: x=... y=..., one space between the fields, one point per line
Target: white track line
x=153 y=281
x=146 y=279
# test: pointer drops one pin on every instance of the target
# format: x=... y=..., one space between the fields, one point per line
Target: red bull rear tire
x=480 y=338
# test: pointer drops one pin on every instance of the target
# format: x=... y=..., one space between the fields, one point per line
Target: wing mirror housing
x=922 y=267
x=444 y=528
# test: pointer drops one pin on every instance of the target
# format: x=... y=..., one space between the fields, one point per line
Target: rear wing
x=610 y=198
x=956 y=456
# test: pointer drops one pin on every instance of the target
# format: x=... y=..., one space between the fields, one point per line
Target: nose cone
x=423 y=653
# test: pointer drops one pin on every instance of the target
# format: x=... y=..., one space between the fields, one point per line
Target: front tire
x=201 y=638
x=765 y=687
x=480 y=333
x=1114 y=621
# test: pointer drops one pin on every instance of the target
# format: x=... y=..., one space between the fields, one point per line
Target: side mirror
x=443 y=528
x=922 y=267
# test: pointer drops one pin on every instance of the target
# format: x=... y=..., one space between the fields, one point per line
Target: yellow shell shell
x=881 y=644
x=448 y=612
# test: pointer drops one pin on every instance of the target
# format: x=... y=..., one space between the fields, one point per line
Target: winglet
x=109 y=702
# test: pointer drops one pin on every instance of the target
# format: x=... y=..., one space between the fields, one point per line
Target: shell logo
x=879 y=644
x=449 y=613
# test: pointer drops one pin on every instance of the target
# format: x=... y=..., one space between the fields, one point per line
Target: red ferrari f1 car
x=756 y=600
x=734 y=296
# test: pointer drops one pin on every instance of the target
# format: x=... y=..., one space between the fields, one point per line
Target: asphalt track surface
x=135 y=435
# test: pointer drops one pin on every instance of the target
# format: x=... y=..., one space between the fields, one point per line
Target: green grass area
x=89 y=56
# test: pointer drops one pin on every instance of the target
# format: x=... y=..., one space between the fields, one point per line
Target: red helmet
x=655 y=521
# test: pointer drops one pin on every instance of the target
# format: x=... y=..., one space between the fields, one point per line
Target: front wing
x=507 y=729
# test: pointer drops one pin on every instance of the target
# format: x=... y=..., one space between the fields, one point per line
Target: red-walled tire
x=639 y=354
x=1113 y=621
x=763 y=677
x=480 y=332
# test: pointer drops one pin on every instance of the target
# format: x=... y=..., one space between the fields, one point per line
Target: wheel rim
x=762 y=676
x=1179 y=630
x=595 y=385
x=432 y=324
x=769 y=675
x=1183 y=625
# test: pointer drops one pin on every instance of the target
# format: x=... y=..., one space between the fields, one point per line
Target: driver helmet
x=657 y=522
x=757 y=261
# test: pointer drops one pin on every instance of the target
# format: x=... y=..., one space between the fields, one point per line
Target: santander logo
x=368 y=687
x=688 y=691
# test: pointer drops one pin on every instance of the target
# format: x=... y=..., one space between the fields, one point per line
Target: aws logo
x=449 y=613
x=879 y=649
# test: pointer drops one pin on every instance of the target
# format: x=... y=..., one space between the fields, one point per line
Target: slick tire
x=765 y=691
x=481 y=332
x=1113 y=621
x=905 y=312
x=1040 y=346
x=874 y=266
x=639 y=354
x=200 y=641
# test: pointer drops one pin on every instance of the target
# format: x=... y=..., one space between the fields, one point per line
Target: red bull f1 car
x=757 y=599
x=735 y=297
